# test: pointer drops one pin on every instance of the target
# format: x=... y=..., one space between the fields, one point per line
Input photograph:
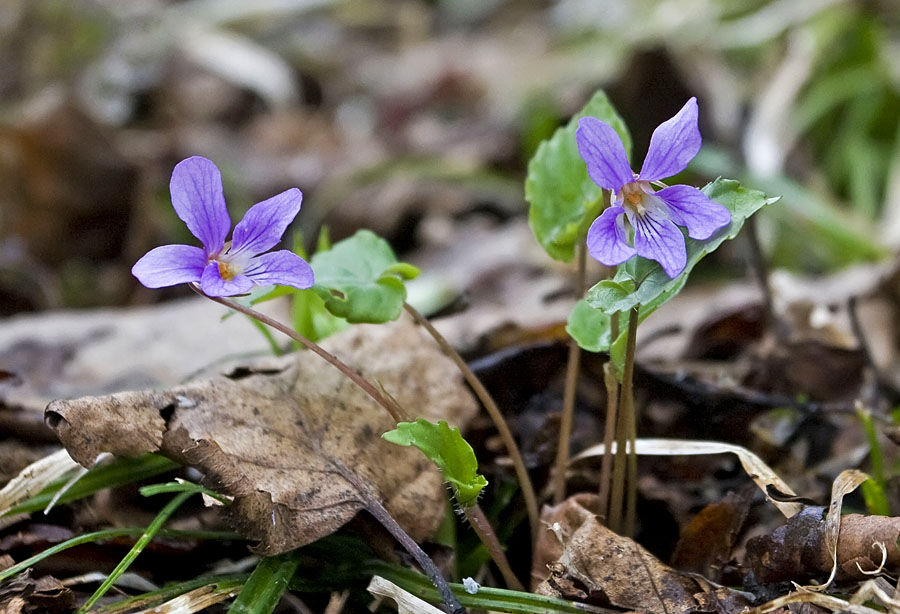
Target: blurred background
x=414 y=118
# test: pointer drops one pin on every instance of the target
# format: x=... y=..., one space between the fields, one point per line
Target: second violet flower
x=654 y=215
x=224 y=269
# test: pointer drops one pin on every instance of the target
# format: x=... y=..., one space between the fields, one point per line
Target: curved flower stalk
x=653 y=215
x=220 y=268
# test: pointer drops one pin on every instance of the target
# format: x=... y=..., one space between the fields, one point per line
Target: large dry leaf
x=599 y=567
x=296 y=443
x=76 y=353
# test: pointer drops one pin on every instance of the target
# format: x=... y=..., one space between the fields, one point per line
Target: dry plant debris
x=296 y=444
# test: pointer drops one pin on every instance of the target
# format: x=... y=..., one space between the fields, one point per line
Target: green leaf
x=652 y=287
x=589 y=327
x=359 y=279
x=447 y=449
x=564 y=200
x=312 y=319
x=263 y=590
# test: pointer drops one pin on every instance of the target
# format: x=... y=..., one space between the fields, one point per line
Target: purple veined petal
x=607 y=240
x=197 y=196
x=212 y=283
x=602 y=150
x=689 y=207
x=170 y=265
x=265 y=222
x=282 y=267
x=674 y=143
x=657 y=238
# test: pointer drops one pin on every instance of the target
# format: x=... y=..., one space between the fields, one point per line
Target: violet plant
x=356 y=280
x=584 y=198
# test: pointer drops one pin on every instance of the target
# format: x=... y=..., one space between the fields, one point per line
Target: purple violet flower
x=224 y=269
x=653 y=215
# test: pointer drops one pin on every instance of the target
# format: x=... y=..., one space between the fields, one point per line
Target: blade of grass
x=120 y=471
x=109 y=534
x=138 y=547
x=263 y=590
x=167 y=593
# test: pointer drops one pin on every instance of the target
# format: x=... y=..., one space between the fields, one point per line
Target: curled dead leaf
x=295 y=443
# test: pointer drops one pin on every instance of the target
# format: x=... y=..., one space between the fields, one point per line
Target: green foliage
x=643 y=283
x=360 y=279
x=564 y=200
x=263 y=590
x=447 y=449
x=108 y=475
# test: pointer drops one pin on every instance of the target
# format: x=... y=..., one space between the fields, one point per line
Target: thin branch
x=568 y=409
x=496 y=415
x=388 y=403
x=486 y=534
x=378 y=511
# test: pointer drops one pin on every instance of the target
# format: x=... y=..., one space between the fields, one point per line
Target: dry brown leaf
x=295 y=443
x=603 y=568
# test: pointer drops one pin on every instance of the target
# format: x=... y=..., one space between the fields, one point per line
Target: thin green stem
x=482 y=528
x=568 y=408
x=609 y=434
x=389 y=404
x=630 y=421
x=496 y=416
x=138 y=547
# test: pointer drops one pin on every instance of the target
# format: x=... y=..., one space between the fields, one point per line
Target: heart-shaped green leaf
x=564 y=200
x=447 y=449
x=359 y=279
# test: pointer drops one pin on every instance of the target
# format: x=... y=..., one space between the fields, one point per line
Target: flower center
x=633 y=195
x=226 y=271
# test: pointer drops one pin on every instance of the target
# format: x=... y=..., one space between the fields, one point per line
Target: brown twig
x=388 y=403
x=486 y=534
x=496 y=416
x=568 y=409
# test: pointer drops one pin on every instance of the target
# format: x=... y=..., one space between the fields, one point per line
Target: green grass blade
x=97 y=536
x=120 y=471
x=138 y=547
x=266 y=585
x=158 y=597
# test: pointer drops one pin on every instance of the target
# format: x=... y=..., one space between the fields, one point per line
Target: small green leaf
x=589 y=327
x=564 y=200
x=447 y=449
x=312 y=319
x=652 y=287
x=359 y=279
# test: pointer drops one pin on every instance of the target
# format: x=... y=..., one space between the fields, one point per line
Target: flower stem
x=568 y=408
x=385 y=401
x=482 y=528
x=378 y=511
x=609 y=434
x=496 y=416
x=629 y=421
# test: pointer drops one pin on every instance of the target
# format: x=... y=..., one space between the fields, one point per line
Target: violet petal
x=674 y=143
x=689 y=207
x=602 y=150
x=212 y=283
x=607 y=240
x=265 y=222
x=170 y=265
x=282 y=267
x=657 y=238
x=196 y=189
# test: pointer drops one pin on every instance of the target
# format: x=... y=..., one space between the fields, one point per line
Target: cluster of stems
x=618 y=470
x=474 y=513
